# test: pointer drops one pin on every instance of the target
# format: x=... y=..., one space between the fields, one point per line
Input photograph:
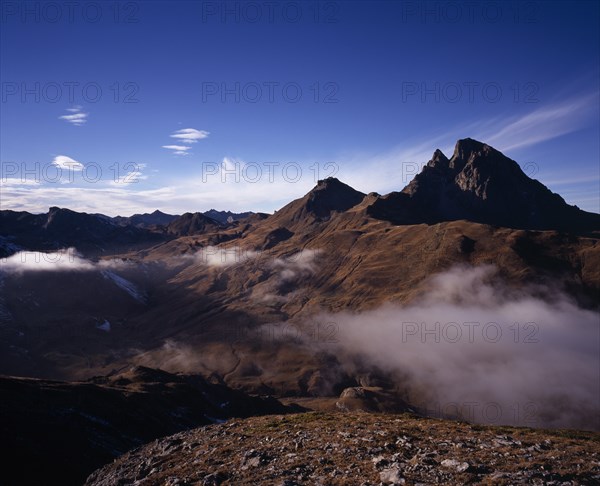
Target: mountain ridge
x=478 y=184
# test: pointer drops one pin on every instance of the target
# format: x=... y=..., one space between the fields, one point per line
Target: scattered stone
x=456 y=465
x=425 y=452
x=392 y=475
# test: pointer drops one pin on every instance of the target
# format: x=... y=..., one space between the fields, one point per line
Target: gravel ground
x=358 y=448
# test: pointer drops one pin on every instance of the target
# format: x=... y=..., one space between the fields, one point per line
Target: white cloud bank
x=69 y=260
x=476 y=349
x=239 y=190
x=35 y=261
x=66 y=259
x=302 y=262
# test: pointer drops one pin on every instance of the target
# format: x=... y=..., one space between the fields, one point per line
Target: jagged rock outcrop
x=480 y=184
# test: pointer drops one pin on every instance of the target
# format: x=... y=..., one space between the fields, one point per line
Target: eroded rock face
x=358 y=448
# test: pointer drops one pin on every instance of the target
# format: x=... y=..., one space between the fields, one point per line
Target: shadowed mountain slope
x=87 y=424
x=191 y=224
x=62 y=228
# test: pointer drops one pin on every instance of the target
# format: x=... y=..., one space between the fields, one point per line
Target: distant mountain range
x=226 y=216
x=478 y=184
x=158 y=218
x=62 y=228
x=98 y=234
x=146 y=220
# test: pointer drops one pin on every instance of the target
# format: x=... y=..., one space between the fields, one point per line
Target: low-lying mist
x=475 y=349
x=472 y=347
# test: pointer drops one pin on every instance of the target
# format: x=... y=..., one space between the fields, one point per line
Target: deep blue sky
x=389 y=72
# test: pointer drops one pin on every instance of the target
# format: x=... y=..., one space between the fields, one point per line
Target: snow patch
x=126 y=285
x=105 y=326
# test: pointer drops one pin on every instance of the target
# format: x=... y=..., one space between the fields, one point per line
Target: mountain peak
x=481 y=184
x=57 y=209
x=191 y=224
x=438 y=159
x=467 y=150
x=329 y=182
x=469 y=144
x=327 y=196
x=330 y=195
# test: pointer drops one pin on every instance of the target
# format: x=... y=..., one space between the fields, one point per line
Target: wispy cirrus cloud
x=544 y=123
x=392 y=170
x=178 y=149
x=76 y=116
x=190 y=135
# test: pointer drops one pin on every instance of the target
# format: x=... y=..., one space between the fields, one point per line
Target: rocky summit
x=358 y=449
x=479 y=183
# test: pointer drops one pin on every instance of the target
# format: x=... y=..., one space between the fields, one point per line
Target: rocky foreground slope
x=358 y=448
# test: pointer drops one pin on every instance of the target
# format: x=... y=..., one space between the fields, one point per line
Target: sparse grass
x=285 y=421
